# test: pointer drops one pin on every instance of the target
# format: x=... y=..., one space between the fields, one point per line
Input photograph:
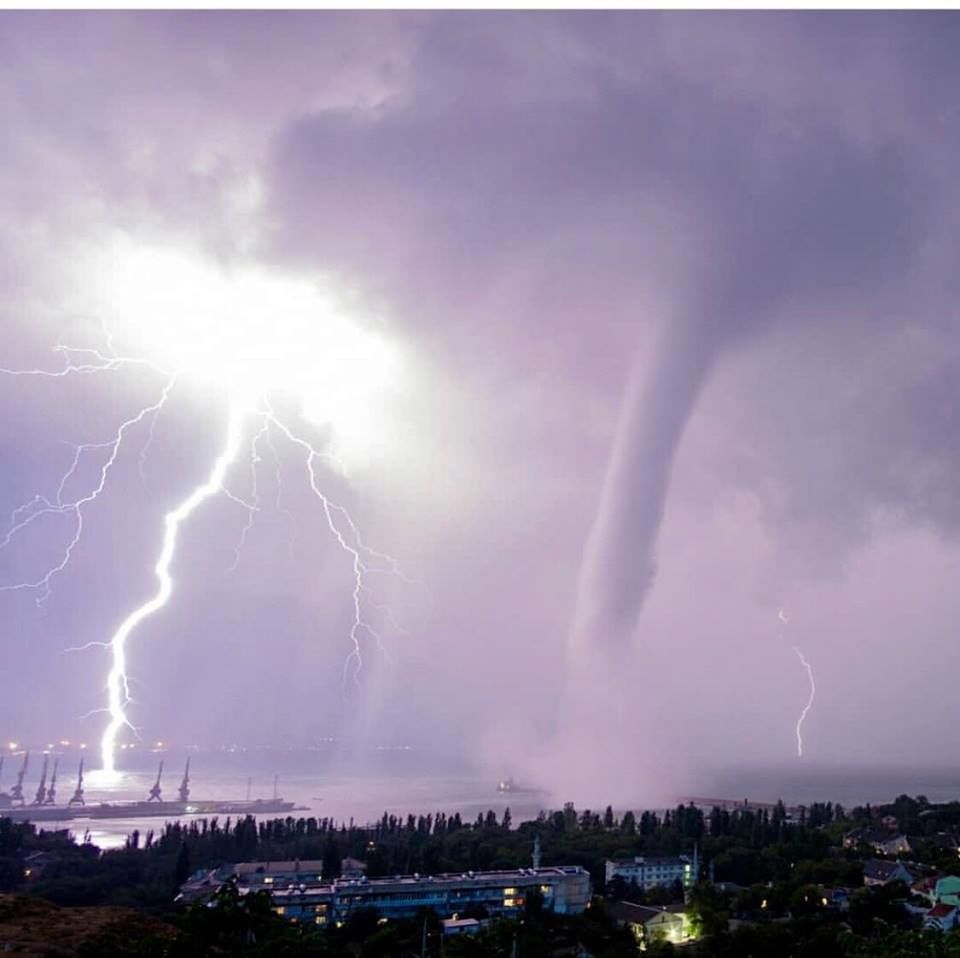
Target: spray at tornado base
x=251 y=336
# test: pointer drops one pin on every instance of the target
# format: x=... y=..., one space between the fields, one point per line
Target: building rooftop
x=635 y=914
x=878 y=870
x=310 y=876
x=653 y=860
x=308 y=867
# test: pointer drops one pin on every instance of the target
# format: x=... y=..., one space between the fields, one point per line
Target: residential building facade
x=301 y=894
x=650 y=872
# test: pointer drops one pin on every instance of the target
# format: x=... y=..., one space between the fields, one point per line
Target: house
x=461 y=926
x=898 y=845
x=925 y=888
x=947 y=890
x=942 y=917
x=882 y=842
x=36 y=862
x=860 y=836
x=879 y=872
x=649 y=924
x=649 y=872
x=836 y=898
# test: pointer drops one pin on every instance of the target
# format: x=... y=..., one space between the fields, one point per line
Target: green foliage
x=781 y=864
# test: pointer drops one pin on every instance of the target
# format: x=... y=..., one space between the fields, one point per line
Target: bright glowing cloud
x=249 y=332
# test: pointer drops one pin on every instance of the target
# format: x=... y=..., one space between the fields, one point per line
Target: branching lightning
x=41 y=506
x=254 y=493
x=363 y=558
x=250 y=420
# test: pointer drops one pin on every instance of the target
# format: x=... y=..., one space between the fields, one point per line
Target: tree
x=182 y=869
x=331 y=858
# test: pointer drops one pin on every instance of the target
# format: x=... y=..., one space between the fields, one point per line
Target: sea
x=402 y=783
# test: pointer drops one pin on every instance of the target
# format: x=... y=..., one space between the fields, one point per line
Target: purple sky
x=746 y=222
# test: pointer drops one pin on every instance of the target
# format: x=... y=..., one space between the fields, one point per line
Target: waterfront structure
x=651 y=872
x=300 y=893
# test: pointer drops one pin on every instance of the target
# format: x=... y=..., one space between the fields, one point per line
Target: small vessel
x=44 y=808
x=509 y=785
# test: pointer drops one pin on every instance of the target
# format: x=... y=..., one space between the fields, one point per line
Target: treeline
x=745 y=845
x=915 y=816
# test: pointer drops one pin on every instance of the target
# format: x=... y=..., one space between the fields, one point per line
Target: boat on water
x=44 y=808
x=509 y=785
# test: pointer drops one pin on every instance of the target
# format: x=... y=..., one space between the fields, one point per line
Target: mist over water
x=402 y=783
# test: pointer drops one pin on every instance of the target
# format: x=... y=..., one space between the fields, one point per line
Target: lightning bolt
x=781 y=615
x=807 y=707
x=254 y=493
x=118 y=691
x=40 y=506
x=365 y=561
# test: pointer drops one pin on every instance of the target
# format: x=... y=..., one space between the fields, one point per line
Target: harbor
x=44 y=806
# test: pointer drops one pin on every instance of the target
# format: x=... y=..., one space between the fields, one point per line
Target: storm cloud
x=680 y=290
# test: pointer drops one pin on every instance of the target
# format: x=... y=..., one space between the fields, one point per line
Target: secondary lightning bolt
x=360 y=554
x=813 y=689
x=807 y=707
x=254 y=493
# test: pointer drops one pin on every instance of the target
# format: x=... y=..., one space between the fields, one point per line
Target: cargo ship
x=44 y=807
